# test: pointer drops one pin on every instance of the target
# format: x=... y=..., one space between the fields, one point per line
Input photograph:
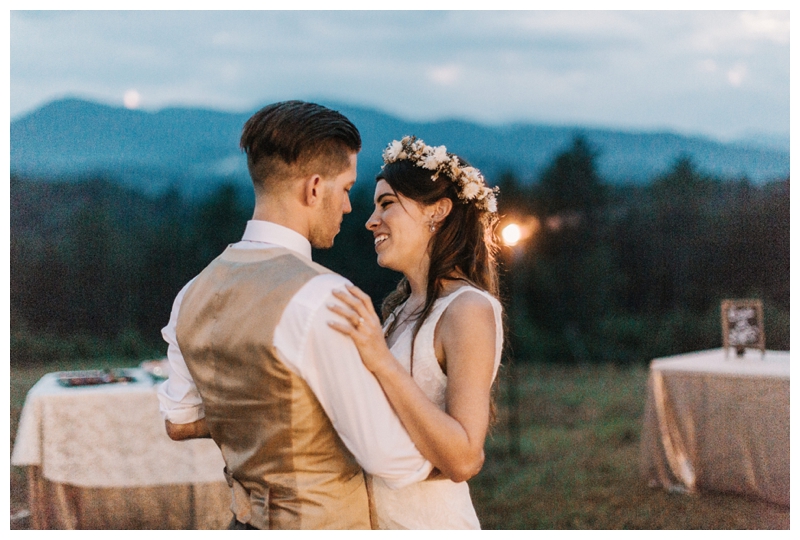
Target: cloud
x=736 y=75
x=715 y=72
x=721 y=31
x=708 y=65
x=770 y=25
x=444 y=75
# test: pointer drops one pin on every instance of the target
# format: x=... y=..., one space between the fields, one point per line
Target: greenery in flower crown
x=469 y=180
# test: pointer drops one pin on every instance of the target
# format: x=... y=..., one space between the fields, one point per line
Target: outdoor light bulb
x=511 y=234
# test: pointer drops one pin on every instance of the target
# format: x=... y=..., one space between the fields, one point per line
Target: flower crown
x=468 y=180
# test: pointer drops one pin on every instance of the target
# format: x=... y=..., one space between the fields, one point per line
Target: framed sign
x=743 y=325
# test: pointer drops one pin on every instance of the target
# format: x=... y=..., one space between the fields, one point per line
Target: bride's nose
x=373 y=221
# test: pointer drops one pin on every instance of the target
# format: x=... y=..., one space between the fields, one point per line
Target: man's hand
x=182 y=432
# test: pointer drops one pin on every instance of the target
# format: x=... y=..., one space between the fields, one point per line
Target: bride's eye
x=384 y=204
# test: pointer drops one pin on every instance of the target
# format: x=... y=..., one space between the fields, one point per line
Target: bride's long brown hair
x=464 y=245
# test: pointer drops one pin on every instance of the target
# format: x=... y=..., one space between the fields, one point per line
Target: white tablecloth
x=717 y=422
x=108 y=436
x=773 y=364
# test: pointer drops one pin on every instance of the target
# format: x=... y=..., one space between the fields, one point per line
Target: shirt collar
x=272 y=233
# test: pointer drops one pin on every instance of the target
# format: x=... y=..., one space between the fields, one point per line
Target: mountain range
x=196 y=149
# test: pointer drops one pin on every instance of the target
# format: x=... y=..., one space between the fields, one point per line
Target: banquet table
x=98 y=457
x=718 y=422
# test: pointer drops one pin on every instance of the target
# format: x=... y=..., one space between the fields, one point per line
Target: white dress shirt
x=326 y=359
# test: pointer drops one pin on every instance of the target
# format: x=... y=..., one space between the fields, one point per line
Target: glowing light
x=131 y=99
x=511 y=234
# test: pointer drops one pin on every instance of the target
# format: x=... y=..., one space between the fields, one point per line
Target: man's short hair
x=292 y=138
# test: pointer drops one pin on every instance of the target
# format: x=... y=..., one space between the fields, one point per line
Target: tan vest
x=286 y=464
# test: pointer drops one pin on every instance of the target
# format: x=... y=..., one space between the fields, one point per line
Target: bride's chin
x=383 y=264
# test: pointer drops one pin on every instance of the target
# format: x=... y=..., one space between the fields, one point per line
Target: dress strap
x=393 y=315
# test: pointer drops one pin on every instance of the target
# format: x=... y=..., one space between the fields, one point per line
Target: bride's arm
x=453 y=440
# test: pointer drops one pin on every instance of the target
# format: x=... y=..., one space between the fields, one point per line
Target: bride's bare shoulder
x=471 y=310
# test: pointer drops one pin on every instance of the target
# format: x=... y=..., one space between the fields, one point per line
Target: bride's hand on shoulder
x=363 y=325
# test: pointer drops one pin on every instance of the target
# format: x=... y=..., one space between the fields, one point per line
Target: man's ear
x=441 y=209
x=312 y=190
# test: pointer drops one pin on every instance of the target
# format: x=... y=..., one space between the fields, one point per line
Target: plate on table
x=93 y=377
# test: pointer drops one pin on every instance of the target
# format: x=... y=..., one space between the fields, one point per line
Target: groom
x=255 y=366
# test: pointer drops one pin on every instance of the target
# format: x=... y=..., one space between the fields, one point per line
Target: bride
x=438 y=350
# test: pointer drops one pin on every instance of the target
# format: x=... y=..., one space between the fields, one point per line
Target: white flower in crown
x=491 y=203
x=487 y=199
x=430 y=163
x=434 y=158
x=440 y=153
x=473 y=175
x=470 y=190
x=392 y=153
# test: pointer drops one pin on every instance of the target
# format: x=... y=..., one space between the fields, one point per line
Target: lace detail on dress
x=441 y=503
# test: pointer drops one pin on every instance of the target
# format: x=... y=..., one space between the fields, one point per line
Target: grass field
x=579 y=463
x=578 y=466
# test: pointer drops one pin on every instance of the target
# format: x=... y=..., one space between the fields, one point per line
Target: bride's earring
x=432 y=225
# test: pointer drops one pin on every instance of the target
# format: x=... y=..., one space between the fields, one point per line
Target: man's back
x=287 y=465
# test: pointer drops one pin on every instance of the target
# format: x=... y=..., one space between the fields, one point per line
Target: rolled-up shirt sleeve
x=179 y=400
x=350 y=395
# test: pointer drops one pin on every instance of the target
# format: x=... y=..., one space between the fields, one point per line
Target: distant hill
x=195 y=149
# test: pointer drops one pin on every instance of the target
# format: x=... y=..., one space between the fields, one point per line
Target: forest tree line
x=610 y=273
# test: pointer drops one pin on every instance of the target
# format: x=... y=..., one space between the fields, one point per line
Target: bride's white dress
x=438 y=503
